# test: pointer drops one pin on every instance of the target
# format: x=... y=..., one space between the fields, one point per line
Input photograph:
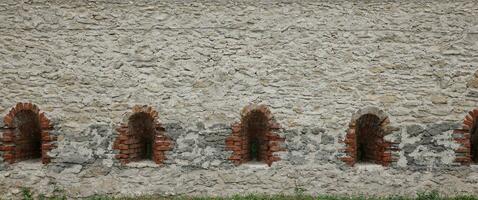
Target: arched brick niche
x=254 y=138
x=467 y=137
x=365 y=141
x=141 y=137
x=26 y=135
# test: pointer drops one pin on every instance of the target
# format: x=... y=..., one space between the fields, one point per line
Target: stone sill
x=143 y=164
x=255 y=165
x=474 y=166
x=369 y=167
x=29 y=164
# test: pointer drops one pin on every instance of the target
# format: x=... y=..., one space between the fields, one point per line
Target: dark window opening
x=141 y=131
x=148 y=150
x=28 y=140
x=368 y=139
x=256 y=127
x=474 y=141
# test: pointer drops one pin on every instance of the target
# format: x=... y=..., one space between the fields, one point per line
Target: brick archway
x=467 y=137
x=365 y=138
x=27 y=134
x=255 y=137
x=141 y=137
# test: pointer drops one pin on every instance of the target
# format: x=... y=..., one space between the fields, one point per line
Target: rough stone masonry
x=315 y=67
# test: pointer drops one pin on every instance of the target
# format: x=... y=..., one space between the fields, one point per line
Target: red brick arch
x=366 y=131
x=131 y=141
x=467 y=137
x=257 y=124
x=19 y=142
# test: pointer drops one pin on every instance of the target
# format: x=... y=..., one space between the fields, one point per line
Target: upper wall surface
x=314 y=63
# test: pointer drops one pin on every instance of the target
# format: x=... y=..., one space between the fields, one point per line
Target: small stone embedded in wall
x=473 y=82
x=439 y=99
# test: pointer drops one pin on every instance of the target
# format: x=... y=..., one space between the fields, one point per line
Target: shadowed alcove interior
x=369 y=139
x=255 y=129
x=28 y=137
x=474 y=140
x=141 y=128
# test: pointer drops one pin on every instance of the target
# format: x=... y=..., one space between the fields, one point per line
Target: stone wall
x=314 y=64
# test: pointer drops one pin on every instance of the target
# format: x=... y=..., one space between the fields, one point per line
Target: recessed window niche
x=254 y=139
x=365 y=141
x=141 y=137
x=467 y=137
x=27 y=135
